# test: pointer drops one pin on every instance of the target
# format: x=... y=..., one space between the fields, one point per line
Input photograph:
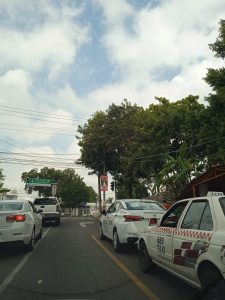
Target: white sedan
x=125 y=218
x=20 y=222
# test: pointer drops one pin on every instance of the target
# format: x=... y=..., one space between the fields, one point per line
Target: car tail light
x=15 y=218
x=58 y=208
x=152 y=221
x=130 y=218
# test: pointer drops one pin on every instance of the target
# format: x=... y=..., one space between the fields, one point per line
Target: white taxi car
x=189 y=242
x=124 y=218
x=20 y=222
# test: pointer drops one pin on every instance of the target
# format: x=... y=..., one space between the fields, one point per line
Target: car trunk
x=146 y=214
x=3 y=223
x=48 y=205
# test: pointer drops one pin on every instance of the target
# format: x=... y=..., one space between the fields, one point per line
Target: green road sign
x=39 y=182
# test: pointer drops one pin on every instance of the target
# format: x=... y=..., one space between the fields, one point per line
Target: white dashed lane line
x=20 y=265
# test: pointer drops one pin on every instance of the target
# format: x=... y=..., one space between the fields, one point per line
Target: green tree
x=161 y=130
x=175 y=174
x=214 y=127
x=106 y=141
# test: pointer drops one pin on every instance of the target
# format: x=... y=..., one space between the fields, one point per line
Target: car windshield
x=144 y=205
x=6 y=206
x=45 y=201
x=222 y=203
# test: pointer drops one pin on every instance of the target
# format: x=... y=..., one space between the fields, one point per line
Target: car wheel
x=30 y=247
x=145 y=261
x=102 y=236
x=39 y=235
x=213 y=285
x=57 y=222
x=116 y=243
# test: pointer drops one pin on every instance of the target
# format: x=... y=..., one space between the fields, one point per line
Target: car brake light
x=130 y=218
x=152 y=221
x=15 y=218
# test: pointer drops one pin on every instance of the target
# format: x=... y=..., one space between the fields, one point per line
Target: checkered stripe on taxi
x=163 y=229
x=195 y=234
x=189 y=253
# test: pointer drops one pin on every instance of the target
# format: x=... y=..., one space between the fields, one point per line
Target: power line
x=39 y=127
x=44 y=165
x=39 y=132
x=143 y=158
x=23 y=111
x=5 y=142
x=37 y=119
x=37 y=154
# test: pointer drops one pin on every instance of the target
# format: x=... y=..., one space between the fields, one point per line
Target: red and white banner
x=104 y=183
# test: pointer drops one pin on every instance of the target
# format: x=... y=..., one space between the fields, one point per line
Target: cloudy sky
x=61 y=60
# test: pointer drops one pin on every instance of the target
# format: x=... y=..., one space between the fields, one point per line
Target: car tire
x=116 y=242
x=145 y=261
x=39 y=235
x=102 y=236
x=57 y=222
x=30 y=247
x=213 y=285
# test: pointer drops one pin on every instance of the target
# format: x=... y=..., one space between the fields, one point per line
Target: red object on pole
x=104 y=183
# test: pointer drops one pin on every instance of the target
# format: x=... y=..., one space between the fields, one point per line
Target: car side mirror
x=103 y=212
x=39 y=211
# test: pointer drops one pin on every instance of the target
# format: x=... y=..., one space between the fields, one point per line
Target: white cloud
x=14 y=87
x=141 y=43
x=172 y=34
x=52 y=43
x=41 y=39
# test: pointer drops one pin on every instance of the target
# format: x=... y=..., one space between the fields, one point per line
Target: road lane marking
x=133 y=277
x=84 y=224
x=12 y=275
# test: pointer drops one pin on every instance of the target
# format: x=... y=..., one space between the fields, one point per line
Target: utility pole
x=115 y=188
x=99 y=192
x=104 y=173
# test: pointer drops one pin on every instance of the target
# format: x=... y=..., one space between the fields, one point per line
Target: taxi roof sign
x=213 y=193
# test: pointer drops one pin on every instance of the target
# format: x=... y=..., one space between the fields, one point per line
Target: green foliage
x=219 y=46
x=214 y=126
x=160 y=147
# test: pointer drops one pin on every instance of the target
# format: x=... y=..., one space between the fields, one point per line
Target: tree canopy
x=160 y=147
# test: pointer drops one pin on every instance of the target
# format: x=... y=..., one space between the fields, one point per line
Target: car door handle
x=202 y=241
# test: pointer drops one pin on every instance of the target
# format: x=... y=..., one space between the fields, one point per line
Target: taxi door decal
x=189 y=253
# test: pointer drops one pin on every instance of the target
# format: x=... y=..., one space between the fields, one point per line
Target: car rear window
x=5 y=206
x=45 y=201
x=144 y=205
x=222 y=203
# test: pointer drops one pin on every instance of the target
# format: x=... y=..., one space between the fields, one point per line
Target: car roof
x=134 y=200
x=13 y=201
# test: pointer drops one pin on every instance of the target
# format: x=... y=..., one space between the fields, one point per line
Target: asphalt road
x=70 y=262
